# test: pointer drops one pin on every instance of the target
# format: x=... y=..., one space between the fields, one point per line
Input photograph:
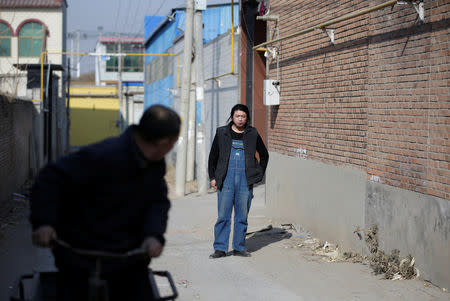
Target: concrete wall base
x=331 y=201
x=415 y=224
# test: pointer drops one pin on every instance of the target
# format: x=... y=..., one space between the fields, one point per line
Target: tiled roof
x=31 y=3
x=122 y=40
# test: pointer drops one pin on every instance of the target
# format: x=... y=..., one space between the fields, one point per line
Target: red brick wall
x=377 y=100
x=16 y=121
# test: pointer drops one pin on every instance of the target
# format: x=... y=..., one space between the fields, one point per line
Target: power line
x=117 y=16
x=136 y=33
x=157 y=11
x=135 y=19
x=127 y=14
x=146 y=13
x=125 y=23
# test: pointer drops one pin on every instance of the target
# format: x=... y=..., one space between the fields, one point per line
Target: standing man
x=109 y=196
x=233 y=169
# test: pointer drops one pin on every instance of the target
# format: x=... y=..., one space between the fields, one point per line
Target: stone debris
x=288 y=227
x=391 y=266
x=325 y=250
x=353 y=257
x=183 y=283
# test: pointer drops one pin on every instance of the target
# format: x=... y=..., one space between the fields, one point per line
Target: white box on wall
x=271 y=92
x=200 y=4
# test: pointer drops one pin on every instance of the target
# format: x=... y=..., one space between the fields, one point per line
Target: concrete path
x=18 y=256
x=277 y=270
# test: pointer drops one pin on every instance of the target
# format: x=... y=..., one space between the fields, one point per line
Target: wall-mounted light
x=171 y=17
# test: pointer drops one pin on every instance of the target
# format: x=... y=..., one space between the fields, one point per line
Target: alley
x=276 y=271
x=350 y=99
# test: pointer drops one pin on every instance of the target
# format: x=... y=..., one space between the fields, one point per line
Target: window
x=159 y=68
x=30 y=39
x=133 y=63
x=111 y=64
x=5 y=40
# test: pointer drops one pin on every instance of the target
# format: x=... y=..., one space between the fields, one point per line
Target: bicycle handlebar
x=101 y=254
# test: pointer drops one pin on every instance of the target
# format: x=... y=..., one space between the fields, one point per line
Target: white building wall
x=53 y=19
x=113 y=76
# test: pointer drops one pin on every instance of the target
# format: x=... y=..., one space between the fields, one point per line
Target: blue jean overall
x=234 y=193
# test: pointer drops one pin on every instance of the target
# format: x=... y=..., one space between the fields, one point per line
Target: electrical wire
x=126 y=15
x=140 y=33
x=117 y=16
x=136 y=19
x=125 y=24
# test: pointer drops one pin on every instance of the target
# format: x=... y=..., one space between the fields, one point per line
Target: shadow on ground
x=259 y=240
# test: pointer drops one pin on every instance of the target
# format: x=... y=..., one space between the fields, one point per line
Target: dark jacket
x=106 y=196
x=220 y=155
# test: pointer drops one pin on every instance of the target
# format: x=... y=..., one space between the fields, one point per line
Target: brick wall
x=377 y=100
x=16 y=130
x=408 y=130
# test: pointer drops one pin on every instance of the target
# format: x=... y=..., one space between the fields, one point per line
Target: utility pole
x=69 y=77
x=71 y=49
x=98 y=58
x=119 y=83
x=202 y=180
x=180 y=173
x=78 y=50
x=191 y=130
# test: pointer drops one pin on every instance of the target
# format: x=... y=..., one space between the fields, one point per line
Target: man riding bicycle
x=109 y=196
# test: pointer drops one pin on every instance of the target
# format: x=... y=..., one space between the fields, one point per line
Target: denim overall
x=235 y=192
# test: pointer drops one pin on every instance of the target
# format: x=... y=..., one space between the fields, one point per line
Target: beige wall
x=53 y=19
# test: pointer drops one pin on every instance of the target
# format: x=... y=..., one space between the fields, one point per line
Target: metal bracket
x=420 y=11
x=272 y=51
x=330 y=33
x=418 y=6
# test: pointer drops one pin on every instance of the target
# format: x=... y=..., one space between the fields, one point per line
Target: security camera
x=276 y=83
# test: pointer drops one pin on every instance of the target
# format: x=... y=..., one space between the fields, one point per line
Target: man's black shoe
x=217 y=254
x=241 y=253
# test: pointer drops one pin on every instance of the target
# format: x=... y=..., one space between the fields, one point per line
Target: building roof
x=214 y=18
x=32 y=3
x=123 y=40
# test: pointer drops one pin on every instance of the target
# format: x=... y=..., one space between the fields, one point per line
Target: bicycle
x=42 y=285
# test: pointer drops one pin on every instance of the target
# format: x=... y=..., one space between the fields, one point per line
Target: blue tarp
x=217 y=21
x=160 y=37
x=132 y=84
x=158 y=93
x=151 y=22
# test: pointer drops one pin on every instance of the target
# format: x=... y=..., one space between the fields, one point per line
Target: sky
x=123 y=16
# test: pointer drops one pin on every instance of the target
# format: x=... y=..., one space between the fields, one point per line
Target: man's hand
x=43 y=235
x=153 y=247
x=214 y=184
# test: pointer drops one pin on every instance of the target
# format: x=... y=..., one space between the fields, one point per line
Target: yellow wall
x=93 y=117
